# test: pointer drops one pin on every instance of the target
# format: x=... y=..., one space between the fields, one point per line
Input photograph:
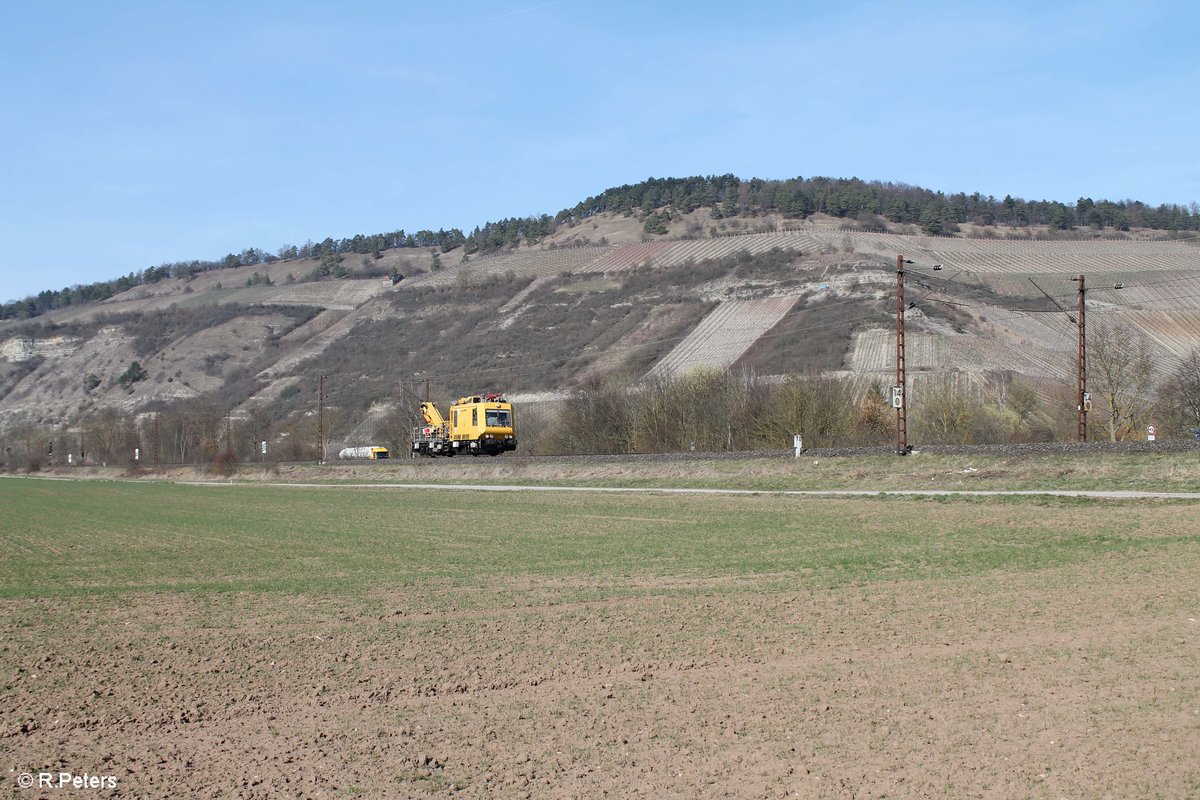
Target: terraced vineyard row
x=537 y=263
x=1034 y=360
x=1090 y=248
x=753 y=243
x=724 y=335
x=1033 y=344
x=1176 y=332
x=627 y=257
x=884 y=245
x=1065 y=264
x=340 y=295
x=1178 y=293
x=1026 y=329
x=1023 y=285
x=984 y=257
x=875 y=351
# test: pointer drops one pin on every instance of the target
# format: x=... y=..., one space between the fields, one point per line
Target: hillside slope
x=593 y=298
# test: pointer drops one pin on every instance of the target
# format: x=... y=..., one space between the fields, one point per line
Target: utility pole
x=1084 y=400
x=157 y=439
x=899 y=401
x=321 y=420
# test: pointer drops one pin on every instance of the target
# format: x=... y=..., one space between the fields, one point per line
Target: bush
x=224 y=463
x=656 y=223
x=134 y=374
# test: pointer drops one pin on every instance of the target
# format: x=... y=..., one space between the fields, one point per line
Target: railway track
x=1002 y=450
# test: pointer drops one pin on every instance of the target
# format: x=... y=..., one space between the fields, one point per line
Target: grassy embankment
x=1164 y=472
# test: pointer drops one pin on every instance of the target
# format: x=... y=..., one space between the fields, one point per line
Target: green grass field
x=67 y=537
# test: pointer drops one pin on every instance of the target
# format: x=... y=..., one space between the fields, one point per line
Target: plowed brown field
x=657 y=647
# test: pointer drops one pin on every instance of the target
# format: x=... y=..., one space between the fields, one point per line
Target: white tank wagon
x=370 y=452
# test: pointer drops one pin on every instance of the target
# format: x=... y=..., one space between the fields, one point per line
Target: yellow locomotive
x=477 y=424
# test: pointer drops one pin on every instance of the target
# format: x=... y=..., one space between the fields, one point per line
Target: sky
x=138 y=133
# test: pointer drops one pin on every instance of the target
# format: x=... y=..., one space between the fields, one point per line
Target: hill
x=599 y=296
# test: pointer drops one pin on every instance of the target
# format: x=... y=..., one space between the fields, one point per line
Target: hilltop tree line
x=726 y=195
x=327 y=251
x=934 y=212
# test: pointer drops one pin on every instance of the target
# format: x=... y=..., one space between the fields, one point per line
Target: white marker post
x=797 y=443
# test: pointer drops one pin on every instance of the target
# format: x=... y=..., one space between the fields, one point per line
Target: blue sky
x=138 y=133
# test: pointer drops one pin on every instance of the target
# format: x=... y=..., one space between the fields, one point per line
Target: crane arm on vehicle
x=432 y=416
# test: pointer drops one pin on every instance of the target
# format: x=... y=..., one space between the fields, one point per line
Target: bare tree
x=1022 y=401
x=707 y=403
x=874 y=420
x=26 y=446
x=533 y=422
x=652 y=422
x=1120 y=375
x=1179 y=396
x=946 y=413
x=819 y=408
x=297 y=435
x=594 y=419
x=395 y=427
x=111 y=437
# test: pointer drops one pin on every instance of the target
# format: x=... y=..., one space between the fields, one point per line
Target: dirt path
x=1112 y=494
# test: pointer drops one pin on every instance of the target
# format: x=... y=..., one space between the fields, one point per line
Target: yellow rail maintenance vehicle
x=475 y=425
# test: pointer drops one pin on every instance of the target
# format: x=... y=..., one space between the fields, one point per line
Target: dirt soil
x=1075 y=682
